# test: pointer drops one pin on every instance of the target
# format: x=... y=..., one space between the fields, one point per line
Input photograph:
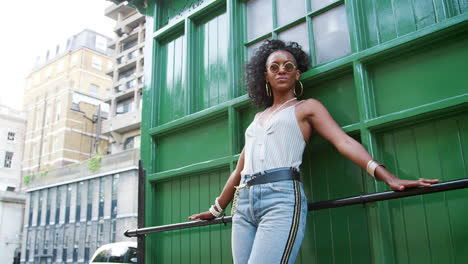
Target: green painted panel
x=173 y=93
x=212 y=65
x=199 y=245
x=338 y=235
x=432 y=225
x=172 y=9
x=387 y=20
x=202 y=142
x=339 y=97
x=463 y=6
x=421 y=77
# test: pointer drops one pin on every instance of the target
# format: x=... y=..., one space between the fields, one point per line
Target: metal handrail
x=361 y=199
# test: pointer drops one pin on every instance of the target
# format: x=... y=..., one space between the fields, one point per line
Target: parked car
x=120 y=252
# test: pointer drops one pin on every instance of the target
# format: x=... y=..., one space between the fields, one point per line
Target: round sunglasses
x=288 y=67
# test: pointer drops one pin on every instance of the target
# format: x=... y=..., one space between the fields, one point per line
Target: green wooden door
x=393 y=75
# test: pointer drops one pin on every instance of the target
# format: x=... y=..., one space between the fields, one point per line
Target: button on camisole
x=278 y=143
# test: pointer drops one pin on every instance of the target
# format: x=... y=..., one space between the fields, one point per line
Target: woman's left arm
x=314 y=113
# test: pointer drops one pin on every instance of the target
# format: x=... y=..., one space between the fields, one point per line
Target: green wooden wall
x=392 y=74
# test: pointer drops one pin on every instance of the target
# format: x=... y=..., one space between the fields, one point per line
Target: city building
x=12 y=129
x=123 y=123
x=63 y=100
x=12 y=132
x=73 y=210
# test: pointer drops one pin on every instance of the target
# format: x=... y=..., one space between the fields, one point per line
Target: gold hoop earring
x=267 y=90
x=302 y=89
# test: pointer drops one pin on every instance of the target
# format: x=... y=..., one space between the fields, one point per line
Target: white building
x=12 y=126
x=12 y=130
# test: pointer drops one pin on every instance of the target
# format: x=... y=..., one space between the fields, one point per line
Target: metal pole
x=361 y=199
x=141 y=212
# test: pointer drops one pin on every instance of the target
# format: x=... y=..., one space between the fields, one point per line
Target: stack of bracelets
x=216 y=209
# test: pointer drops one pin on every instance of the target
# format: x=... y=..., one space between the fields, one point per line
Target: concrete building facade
x=123 y=123
x=12 y=129
x=12 y=132
x=71 y=211
x=62 y=97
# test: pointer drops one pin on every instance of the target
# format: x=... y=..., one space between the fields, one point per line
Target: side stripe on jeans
x=294 y=225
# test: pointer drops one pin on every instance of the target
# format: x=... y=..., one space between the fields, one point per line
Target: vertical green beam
x=236 y=15
x=236 y=50
x=310 y=32
x=374 y=225
x=190 y=61
x=355 y=24
x=274 y=34
x=451 y=8
x=148 y=148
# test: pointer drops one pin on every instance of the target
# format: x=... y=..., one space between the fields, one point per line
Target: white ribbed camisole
x=278 y=143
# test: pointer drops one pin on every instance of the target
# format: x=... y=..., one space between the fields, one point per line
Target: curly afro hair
x=255 y=80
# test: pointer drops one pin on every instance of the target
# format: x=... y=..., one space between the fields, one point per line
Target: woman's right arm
x=228 y=192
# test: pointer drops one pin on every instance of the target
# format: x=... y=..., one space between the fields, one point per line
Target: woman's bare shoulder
x=309 y=106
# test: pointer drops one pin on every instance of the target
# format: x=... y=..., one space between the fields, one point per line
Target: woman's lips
x=282 y=78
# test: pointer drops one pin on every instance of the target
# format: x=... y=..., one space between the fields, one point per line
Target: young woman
x=271 y=207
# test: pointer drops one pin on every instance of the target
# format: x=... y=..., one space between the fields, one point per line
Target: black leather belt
x=273 y=175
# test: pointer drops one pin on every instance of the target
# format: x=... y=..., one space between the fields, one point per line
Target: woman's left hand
x=401 y=185
x=398 y=184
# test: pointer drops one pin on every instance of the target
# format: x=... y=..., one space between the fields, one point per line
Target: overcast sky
x=31 y=27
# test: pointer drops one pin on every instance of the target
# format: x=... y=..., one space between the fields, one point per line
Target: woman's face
x=279 y=74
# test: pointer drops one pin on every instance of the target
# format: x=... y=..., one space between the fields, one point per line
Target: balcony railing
x=361 y=199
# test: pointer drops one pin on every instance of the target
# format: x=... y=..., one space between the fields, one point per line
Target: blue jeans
x=269 y=223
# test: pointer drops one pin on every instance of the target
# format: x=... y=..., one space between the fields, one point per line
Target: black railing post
x=141 y=212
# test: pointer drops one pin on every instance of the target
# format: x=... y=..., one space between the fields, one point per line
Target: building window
x=115 y=190
x=93 y=89
x=79 y=189
x=49 y=198
x=132 y=55
x=55 y=144
x=38 y=118
x=33 y=150
x=89 y=206
x=45 y=247
x=11 y=136
x=101 y=43
x=31 y=201
x=60 y=66
x=129 y=143
x=37 y=78
x=131 y=84
x=109 y=66
x=125 y=106
x=330 y=39
x=39 y=209
x=96 y=62
x=101 y=197
x=58 y=199
x=113 y=230
x=47 y=114
x=128 y=45
x=58 y=110
x=126 y=74
x=67 y=204
x=100 y=236
x=44 y=148
x=74 y=59
x=8 y=159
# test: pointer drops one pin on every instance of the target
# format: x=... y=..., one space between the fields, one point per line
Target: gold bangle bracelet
x=371 y=166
